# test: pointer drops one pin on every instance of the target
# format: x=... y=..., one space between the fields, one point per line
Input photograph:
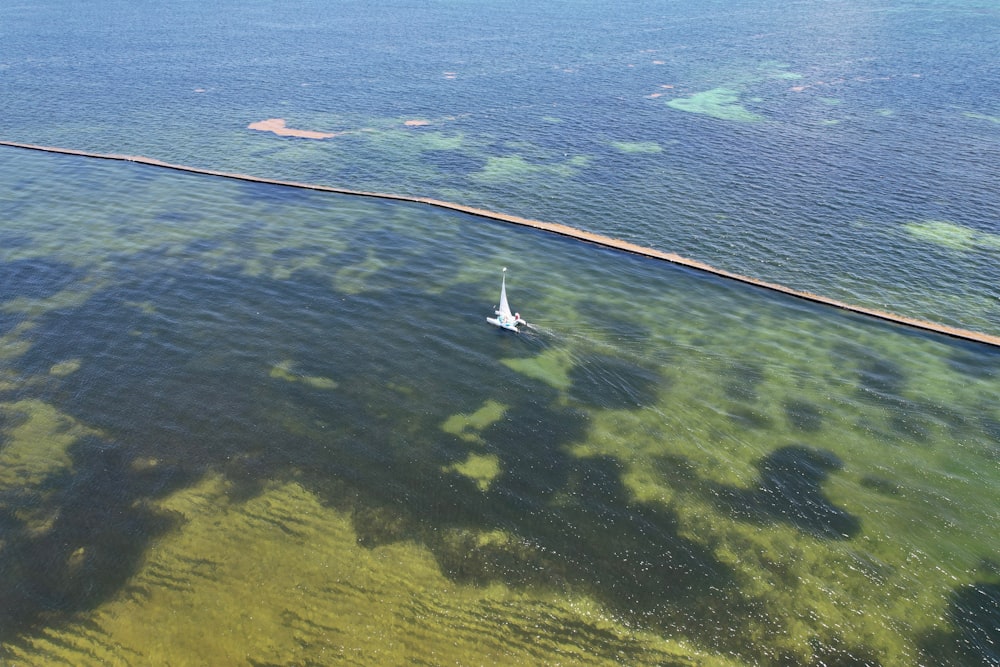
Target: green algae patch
x=951 y=235
x=71 y=297
x=64 y=368
x=775 y=69
x=506 y=168
x=144 y=307
x=511 y=168
x=282 y=579
x=286 y=271
x=356 y=278
x=9 y=381
x=468 y=426
x=286 y=371
x=721 y=103
x=36 y=446
x=318 y=382
x=551 y=367
x=637 y=146
x=714 y=435
x=982 y=116
x=480 y=468
x=14 y=343
x=283 y=371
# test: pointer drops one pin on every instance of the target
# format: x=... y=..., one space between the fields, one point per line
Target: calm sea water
x=273 y=424
x=846 y=148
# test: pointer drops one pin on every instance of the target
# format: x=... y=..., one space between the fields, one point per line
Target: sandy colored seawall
x=555 y=228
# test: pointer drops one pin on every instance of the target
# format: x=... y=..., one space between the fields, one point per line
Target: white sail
x=504 y=318
x=504 y=311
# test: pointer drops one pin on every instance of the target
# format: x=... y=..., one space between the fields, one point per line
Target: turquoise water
x=273 y=424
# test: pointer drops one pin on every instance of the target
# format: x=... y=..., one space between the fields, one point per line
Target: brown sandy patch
x=277 y=126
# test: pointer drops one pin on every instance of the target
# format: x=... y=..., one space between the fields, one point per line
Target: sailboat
x=504 y=318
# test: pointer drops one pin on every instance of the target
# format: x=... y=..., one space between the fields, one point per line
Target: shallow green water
x=285 y=411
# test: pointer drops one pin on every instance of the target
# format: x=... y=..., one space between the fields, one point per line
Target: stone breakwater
x=555 y=228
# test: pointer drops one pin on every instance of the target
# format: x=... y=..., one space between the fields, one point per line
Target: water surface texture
x=274 y=425
x=848 y=148
x=251 y=424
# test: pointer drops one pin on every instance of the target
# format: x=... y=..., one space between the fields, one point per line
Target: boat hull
x=509 y=326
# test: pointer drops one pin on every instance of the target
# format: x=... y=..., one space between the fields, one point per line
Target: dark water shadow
x=876 y=375
x=453 y=163
x=991 y=443
x=742 y=381
x=790 y=491
x=9 y=419
x=279 y=197
x=974 y=640
x=85 y=534
x=10 y=240
x=974 y=361
x=35 y=278
x=595 y=312
x=614 y=383
x=803 y=415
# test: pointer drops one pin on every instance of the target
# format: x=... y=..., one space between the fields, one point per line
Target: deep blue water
x=274 y=425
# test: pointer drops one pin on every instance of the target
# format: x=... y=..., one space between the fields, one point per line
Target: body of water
x=252 y=424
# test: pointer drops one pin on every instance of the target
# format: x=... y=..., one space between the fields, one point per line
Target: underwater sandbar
x=277 y=126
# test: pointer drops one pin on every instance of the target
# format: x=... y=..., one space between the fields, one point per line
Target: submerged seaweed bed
x=274 y=425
